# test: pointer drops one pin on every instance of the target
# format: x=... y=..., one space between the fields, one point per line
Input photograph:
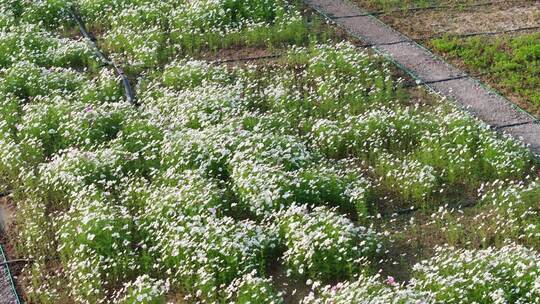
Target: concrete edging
x=424 y=66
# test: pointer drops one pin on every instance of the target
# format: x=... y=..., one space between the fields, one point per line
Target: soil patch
x=418 y=24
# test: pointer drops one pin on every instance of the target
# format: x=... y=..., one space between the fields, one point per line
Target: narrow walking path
x=420 y=63
x=7 y=293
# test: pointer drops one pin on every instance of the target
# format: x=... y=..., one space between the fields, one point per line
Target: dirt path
x=423 y=65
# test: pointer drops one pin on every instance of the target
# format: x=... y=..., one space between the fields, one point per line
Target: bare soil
x=492 y=18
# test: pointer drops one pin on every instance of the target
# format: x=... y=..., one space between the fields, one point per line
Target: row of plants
x=504 y=212
x=143 y=34
x=441 y=147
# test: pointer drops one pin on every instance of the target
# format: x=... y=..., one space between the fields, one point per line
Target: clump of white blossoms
x=30 y=42
x=367 y=289
x=144 y=290
x=203 y=254
x=508 y=274
x=95 y=244
x=514 y=210
x=323 y=245
x=482 y=276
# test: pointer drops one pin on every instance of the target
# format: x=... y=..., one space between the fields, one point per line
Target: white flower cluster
x=146 y=33
x=29 y=42
x=413 y=180
x=95 y=245
x=506 y=275
x=143 y=290
x=203 y=254
x=321 y=244
x=192 y=73
x=514 y=210
x=53 y=14
x=367 y=290
x=492 y=275
x=270 y=172
x=252 y=289
x=469 y=152
x=385 y=129
x=26 y=79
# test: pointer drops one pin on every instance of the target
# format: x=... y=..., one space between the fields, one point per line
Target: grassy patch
x=512 y=64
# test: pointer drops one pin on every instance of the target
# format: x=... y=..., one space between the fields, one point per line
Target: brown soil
x=417 y=24
x=387 y=5
x=6 y=211
x=6 y=220
x=293 y=291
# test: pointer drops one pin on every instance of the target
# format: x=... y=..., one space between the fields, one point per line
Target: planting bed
x=315 y=174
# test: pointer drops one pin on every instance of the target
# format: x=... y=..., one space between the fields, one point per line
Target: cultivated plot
x=267 y=159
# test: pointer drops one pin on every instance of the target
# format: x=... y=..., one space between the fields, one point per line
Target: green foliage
x=25 y=79
x=197 y=190
x=52 y=13
x=59 y=123
x=143 y=290
x=41 y=123
x=252 y=289
x=142 y=141
x=362 y=79
x=186 y=74
x=144 y=48
x=147 y=33
x=368 y=136
x=10 y=115
x=516 y=210
x=465 y=152
x=484 y=276
x=512 y=62
x=32 y=43
x=202 y=253
x=322 y=245
x=104 y=87
x=95 y=243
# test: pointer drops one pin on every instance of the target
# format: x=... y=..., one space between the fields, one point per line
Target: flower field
x=315 y=176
